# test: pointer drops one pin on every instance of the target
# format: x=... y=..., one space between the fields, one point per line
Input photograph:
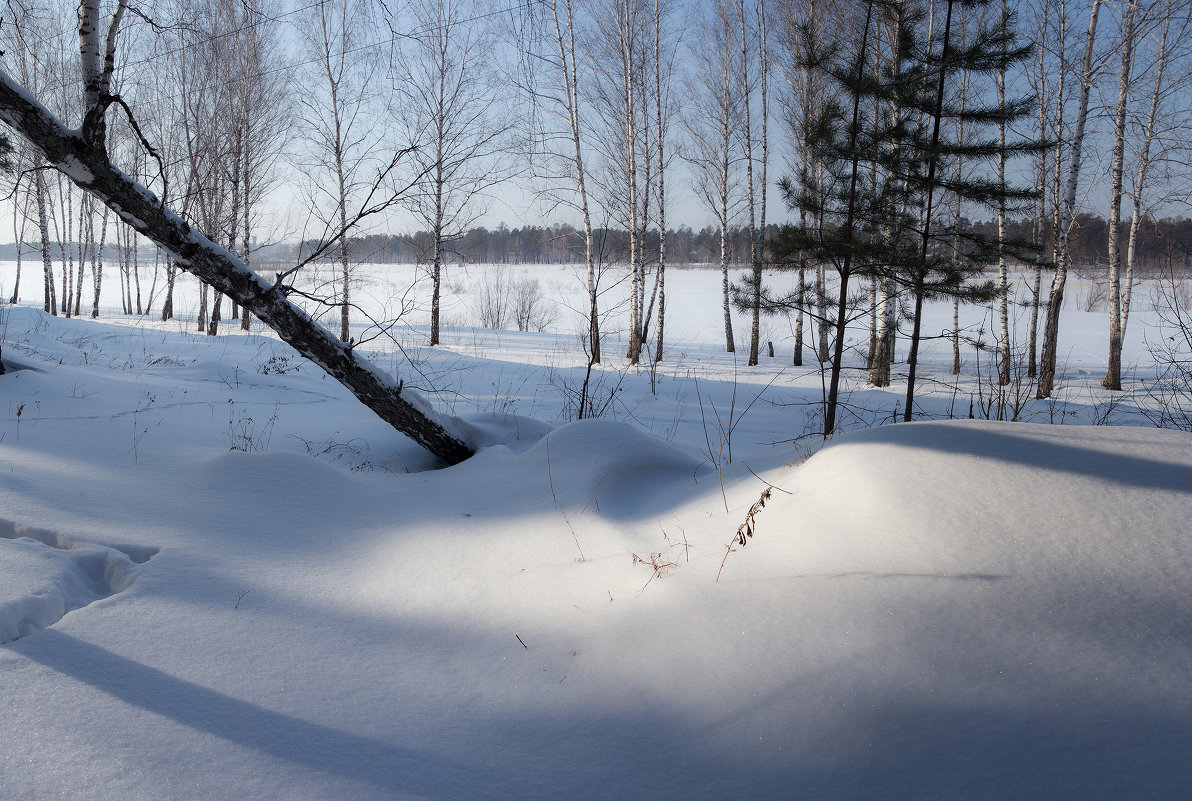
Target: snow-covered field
x=221 y=577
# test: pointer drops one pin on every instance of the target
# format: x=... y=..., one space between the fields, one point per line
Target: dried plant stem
x=745 y=530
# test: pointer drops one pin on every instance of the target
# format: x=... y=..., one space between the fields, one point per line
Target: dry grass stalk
x=745 y=530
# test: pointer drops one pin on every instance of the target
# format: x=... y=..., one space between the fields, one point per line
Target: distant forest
x=1162 y=243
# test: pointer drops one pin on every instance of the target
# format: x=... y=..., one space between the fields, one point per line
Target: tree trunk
x=1055 y=304
x=1113 y=370
x=750 y=194
x=97 y=263
x=47 y=263
x=660 y=135
x=886 y=314
x=1144 y=163
x=797 y=359
x=567 y=52
x=1003 y=283
x=729 y=347
x=18 y=235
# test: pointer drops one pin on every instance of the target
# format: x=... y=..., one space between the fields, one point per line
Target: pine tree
x=880 y=156
x=948 y=261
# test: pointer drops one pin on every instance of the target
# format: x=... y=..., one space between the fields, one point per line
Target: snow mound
x=609 y=467
x=45 y=575
x=1012 y=497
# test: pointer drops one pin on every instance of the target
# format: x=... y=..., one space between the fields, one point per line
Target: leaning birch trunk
x=82 y=158
x=1113 y=369
x=1067 y=211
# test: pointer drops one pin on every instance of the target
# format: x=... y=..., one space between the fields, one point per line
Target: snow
x=221 y=577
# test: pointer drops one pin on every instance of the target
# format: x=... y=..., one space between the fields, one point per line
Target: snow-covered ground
x=221 y=577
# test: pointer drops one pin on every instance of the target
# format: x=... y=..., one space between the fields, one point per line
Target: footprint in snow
x=44 y=575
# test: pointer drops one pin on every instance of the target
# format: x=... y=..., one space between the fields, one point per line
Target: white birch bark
x=1067 y=211
x=1145 y=156
x=1113 y=370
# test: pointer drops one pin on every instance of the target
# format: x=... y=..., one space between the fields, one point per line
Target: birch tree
x=1067 y=210
x=452 y=107
x=1046 y=78
x=338 y=126
x=665 y=52
x=620 y=47
x=754 y=51
x=558 y=149
x=1157 y=29
x=712 y=114
x=1113 y=370
x=1168 y=120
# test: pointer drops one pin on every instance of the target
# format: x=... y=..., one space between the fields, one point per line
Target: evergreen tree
x=947 y=260
x=874 y=180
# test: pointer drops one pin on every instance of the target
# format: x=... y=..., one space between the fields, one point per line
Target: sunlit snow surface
x=941 y=610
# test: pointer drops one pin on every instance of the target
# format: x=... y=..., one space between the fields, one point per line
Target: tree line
x=1162 y=244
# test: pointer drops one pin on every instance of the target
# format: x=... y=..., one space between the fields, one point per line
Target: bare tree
x=754 y=48
x=28 y=51
x=1113 y=371
x=1167 y=122
x=1002 y=268
x=665 y=53
x=1046 y=82
x=711 y=117
x=263 y=120
x=620 y=48
x=1149 y=26
x=557 y=147
x=338 y=126
x=453 y=108
x=1067 y=211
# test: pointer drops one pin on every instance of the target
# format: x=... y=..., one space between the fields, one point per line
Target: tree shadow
x=306 y=744
x=998 y=441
